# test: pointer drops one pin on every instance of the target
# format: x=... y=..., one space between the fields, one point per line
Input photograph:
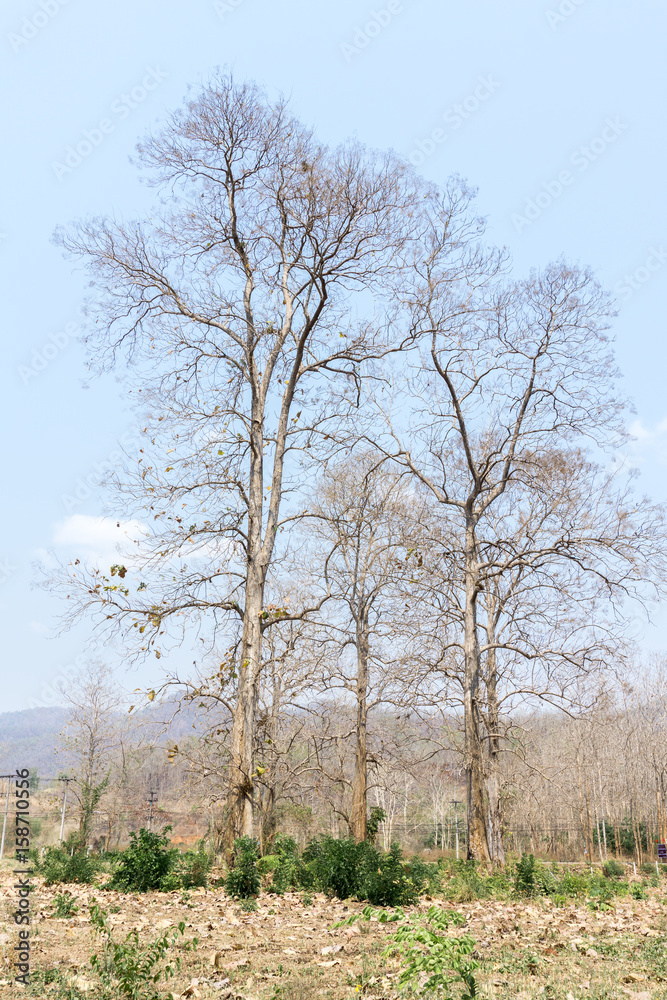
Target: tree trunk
x=359 y=813
x=495 y=819
x=240 y=804
x=476 y=840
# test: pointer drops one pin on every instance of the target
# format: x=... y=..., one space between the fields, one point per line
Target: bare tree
x=233 y=303
x=95 y=741
x=363 y=521
x=515 y=373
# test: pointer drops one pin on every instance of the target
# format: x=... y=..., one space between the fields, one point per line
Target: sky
x=553 y=109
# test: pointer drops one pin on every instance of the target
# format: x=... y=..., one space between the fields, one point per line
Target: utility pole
x=62 y=817
x=151 y=801
x=456 y=803
x=4 y=821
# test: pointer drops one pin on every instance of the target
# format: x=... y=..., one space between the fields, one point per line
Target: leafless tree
x=96 y=741
x=235 y=305
x=516 y=379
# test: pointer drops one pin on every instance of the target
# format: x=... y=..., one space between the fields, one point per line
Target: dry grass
x=288 y=951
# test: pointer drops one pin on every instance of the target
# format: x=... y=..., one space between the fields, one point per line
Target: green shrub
x=466 y=883
x=344 y=868
x=289 y=871
x=385 y=881
x=268 y=864
x=147 y=864
x=243 y=880
x=524 y=876
x=377 y=816
x=424 y=876
x=612 y=869
x=333 y=865
x=59 y=865
x=193 y=869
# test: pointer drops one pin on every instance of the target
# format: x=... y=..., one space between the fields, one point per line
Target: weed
x=431 y=959
x=65 y=905
x=249 y=904
x=133 y=968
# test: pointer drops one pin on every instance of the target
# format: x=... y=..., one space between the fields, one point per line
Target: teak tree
x=363 y=522
x=512 y=372
x=235 y=304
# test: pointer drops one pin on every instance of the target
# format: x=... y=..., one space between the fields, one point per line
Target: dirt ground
x=288 y=948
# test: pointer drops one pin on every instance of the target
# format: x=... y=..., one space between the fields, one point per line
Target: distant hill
x=28 y=739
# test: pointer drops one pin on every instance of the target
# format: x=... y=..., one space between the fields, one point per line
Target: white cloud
x=97 y=539
x=650 y=443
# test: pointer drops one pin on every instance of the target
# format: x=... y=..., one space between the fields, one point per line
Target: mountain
x=28 y=739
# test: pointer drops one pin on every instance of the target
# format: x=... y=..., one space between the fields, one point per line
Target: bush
x=385 y=881
x=289 y=871
x=59 y=865
x=243 y=880
x=193 y=869
x=612 y=869
x=524 y=877
x=425 y=877
x=344 y=868
x=147 y=864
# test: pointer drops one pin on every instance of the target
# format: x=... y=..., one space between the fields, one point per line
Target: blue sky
x=554 y=109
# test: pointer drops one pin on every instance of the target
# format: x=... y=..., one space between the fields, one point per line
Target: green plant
x=637 y=891
x=377 y=816
x=612 y=869
x=147 y=864
x=249 y=904
x=134 y=968
x=432 y=960
x=307 y=899
x=65 y=905
x=59 y=865
x=524 y=878
x=601 y=896
x=425 y=877
x=243 y=880
x=345 y=868
x=193 y=869
x=289 y=872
